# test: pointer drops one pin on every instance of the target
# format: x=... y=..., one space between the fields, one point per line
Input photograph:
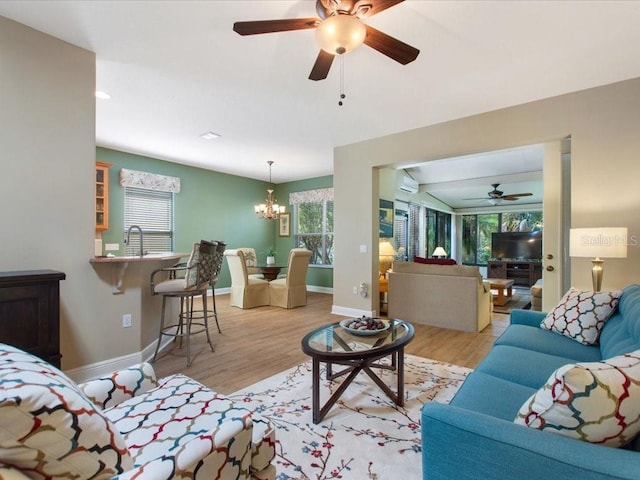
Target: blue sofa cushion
x=521 y=366
x=537 y=339
x=621 y=333
x=492 y=396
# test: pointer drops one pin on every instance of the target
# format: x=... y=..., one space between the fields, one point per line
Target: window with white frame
x=149 y=204
x=313 y=223
x=153 y=212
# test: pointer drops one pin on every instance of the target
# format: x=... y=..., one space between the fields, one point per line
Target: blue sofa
x=474 y=436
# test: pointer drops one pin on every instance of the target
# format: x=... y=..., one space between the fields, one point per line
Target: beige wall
x=603 y=123
x=47 y=113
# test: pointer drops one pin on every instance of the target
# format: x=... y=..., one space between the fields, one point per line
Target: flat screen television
x=516 y=245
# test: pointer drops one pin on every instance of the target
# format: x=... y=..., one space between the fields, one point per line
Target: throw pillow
x=49 y=428
x=435 y=261
x=191 y=277
x=580 y=315
x=597 y=402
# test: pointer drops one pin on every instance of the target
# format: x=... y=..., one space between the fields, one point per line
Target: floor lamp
x=598 y=243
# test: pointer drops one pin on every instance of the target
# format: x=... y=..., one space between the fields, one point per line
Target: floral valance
x=150 y=181
x=311 y=196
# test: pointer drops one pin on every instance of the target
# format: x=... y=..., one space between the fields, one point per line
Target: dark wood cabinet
x=30 y=312
x=523 y=273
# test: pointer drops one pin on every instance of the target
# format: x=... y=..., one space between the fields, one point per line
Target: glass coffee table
x=357 y=352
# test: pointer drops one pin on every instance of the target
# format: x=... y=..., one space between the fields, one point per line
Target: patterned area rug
x=365 y=435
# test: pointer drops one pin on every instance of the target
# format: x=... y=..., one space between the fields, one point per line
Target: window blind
x=414 y=230
x=152 y=211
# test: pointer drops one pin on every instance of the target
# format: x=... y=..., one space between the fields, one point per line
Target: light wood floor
x=260 y=342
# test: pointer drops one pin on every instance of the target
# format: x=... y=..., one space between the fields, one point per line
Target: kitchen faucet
x=126 y=240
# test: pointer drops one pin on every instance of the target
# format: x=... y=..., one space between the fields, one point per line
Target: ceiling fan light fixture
x=341 y=33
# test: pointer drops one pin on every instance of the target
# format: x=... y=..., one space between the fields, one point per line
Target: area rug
x=517 y=301
x=365 y=435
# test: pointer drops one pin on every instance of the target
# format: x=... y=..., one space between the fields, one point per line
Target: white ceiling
x=175 y=69
x=456 y=181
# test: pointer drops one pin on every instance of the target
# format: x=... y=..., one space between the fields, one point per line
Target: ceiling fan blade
x=271 y=26
x=321 y=68
x=389 y=46
x=515 y=196
x=378 y=6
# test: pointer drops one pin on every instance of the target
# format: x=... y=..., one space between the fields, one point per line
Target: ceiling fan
x=496 y=196
x=338 y=30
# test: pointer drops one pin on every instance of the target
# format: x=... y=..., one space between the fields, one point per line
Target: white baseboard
x=351 y=312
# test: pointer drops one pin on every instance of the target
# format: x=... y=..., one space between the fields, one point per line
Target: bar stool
x=198 y=273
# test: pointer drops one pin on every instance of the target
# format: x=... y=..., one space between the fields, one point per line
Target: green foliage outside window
x=314 y=230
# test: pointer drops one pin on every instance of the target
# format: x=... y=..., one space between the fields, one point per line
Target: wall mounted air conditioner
x=407 y=184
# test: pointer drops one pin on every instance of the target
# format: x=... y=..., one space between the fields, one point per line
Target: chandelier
x=269 y=210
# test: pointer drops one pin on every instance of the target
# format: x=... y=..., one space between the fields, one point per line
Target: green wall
x=211 y=205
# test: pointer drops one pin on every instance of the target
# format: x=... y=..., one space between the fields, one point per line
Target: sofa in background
x=122 y=426
x=475 y=437
x=448 y=296
x=536 y=295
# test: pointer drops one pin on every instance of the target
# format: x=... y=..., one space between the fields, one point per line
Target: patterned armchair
x=123 y=426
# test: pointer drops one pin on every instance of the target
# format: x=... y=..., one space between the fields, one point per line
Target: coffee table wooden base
x=353 y=367
x=501 y=285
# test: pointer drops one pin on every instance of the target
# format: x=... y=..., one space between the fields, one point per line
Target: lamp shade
x=386 y=250
x=340 y=34
x=439 y=252
x=605 y=242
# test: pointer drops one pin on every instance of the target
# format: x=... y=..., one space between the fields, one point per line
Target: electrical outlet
x=111 y=247
x=355 y=290
x=126 y=320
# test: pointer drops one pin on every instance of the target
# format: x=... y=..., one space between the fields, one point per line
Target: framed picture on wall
x=284 y=225
x=386 y=219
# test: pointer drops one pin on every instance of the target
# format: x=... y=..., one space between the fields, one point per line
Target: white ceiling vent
x=407 y=184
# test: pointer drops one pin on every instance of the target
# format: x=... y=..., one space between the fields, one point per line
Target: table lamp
x=439 y=252
x=386 y=255
x=598 y=243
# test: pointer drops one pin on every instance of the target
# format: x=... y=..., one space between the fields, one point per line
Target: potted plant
x=270 y=252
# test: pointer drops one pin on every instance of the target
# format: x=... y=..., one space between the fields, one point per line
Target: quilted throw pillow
x=191 y=277
x=49 y=428
x=596 y=402
x=580 y=315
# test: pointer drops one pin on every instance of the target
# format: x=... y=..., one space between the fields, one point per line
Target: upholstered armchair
x=291 y=291
x=125 y=425
x=246 y=292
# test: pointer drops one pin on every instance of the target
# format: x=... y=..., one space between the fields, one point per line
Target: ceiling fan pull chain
x=341 y=80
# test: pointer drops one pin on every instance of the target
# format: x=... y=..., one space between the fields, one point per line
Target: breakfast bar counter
x=120 y=264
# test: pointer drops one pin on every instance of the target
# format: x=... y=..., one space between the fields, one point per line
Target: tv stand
x=522 y=272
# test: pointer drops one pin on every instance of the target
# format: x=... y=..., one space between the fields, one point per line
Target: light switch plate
x=110 y=247
x=363 y=249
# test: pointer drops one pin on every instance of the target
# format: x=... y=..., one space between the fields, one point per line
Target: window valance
x=149 y=181
x=311 y=196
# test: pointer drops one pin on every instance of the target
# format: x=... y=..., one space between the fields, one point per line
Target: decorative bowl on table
x=364 y=325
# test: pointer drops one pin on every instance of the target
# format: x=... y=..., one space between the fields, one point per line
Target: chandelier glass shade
x=270 y=209
x=340 y=34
